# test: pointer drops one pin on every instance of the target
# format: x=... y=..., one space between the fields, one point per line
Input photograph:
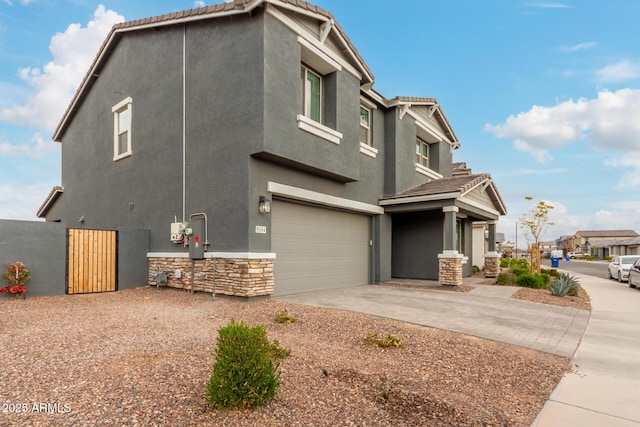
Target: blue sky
x=543 y=95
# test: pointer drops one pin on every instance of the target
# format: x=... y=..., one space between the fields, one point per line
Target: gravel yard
x=142 y=358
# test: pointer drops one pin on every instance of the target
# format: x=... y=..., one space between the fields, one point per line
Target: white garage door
x=318 y=248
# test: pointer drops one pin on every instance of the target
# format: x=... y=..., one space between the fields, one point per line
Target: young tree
x=536 y=222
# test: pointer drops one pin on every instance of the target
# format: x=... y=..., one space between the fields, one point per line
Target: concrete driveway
x=487 y=312
x=604 y=387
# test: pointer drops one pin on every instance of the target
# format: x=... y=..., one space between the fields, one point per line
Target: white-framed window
x=312 y=94
x=422 y=153
x=365 y=125
x=122 y=113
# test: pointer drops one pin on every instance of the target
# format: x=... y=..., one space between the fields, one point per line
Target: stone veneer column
x=492 y=258
x=491 y=264
x=450 y=268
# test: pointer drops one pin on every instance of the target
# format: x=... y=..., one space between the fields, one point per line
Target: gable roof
x=229 y=8
x=456 y=187
x=407 y=103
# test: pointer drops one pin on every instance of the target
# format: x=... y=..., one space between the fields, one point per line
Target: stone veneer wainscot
x=242 y=276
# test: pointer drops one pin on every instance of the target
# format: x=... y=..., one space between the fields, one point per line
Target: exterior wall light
x=264 y=206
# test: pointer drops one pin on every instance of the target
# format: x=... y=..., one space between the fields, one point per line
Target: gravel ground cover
x=142 y=358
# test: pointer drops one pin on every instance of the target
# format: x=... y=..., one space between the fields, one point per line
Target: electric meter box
x=177 y=228
x=197 y=238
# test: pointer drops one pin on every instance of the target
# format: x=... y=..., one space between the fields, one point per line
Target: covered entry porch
x=432 y=228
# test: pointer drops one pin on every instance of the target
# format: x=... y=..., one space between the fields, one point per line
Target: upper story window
x=422 y=153
x=365 y=125
x=122 y=128
x=312 y=94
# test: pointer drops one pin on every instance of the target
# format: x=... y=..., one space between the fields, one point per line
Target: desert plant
x=506 y=279
x=244 y=373
x=564 y=284
x=284 y=317
x=388 y=341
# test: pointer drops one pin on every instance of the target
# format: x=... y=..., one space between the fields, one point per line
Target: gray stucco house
x=256 y=121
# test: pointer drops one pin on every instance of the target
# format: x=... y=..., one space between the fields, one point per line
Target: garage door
x=318 y=248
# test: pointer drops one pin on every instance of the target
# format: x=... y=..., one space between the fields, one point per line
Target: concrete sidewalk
x=604 y=389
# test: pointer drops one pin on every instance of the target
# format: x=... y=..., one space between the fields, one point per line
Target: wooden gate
x=91 y=261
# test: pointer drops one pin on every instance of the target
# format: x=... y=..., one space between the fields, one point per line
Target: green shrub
x=475 y=269
x=506 y=279
x=551 y=272
x=546 y=277
x=573 y=291
x=519 y=263
x=244 y=373
x=504 y=262
x=563 y=285
x=530 y=281
x=519 y=271
x=389 y=341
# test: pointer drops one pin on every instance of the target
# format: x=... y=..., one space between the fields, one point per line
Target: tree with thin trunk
x=535 y=223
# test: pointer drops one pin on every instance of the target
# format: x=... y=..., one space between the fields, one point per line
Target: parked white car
x=620 y=265
x=576 y=255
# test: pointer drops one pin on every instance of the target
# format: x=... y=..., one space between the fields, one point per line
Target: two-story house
x=256 y=120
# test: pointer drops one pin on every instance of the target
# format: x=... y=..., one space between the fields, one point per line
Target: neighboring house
x=588 y=242
x=256 y=122
x=624 y=247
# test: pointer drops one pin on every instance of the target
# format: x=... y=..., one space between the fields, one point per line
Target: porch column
x=449 y=261
x=492 y=258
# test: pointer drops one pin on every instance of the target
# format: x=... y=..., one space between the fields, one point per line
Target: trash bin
x=555 y=262
x=567 y=257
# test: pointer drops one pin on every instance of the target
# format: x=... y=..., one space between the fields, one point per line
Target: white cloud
x=621 y=216
x=22 y=201
x=608 y=122
x=199 y=4
x=54 y=84
x=623 y=71
x=38 y=149
x=578 y=47
x=548 y=5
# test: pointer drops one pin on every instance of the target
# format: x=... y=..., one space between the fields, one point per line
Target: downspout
x=184 y=124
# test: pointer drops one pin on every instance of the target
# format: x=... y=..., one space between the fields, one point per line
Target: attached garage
x=318 y=248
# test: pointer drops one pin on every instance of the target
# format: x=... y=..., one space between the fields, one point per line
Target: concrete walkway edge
x=604 y=387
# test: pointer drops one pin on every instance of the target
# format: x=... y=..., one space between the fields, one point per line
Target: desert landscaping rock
x=143 y=357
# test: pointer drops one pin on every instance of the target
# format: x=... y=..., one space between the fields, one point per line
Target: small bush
x=546 y=278
x=389 y=341
x=277 y=352
x=506 y=279
x=475 y=269
x=573 y=291
x=551 y=272
x=519 y=263
x=504 y=262
x=531 y=281
x=284 y=317
x=244 y=374
x=519 y=271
